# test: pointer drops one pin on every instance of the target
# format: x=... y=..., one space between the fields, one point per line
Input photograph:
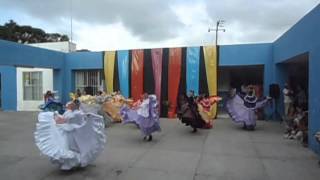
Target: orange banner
x=174 y=73
x=156 y=56
x=137 y=74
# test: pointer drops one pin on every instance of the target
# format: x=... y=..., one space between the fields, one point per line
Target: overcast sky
x=128 y=24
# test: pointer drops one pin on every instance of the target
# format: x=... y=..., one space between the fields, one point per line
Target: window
x=89 y=81
x=32 y=86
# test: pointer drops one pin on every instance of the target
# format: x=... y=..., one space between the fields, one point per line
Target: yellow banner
x=108 y=64
x=210 y=59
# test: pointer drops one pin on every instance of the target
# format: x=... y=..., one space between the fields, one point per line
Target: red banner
x=174 y=73
x=156 y=55
x=137 y=74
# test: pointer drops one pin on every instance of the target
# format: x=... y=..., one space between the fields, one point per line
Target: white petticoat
x=70 y=145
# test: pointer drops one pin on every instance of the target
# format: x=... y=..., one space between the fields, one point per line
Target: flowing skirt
x=147 y=125
x=190 y=117
x=113 y=110
x=70 y=145
x=207 y=116
x=240 y=113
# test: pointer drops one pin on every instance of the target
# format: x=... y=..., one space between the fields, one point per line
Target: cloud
x=126 y=24
x=151 y=20
x=256 y=21
x=115 y=37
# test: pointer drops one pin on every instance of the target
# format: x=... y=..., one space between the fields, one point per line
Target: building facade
x=295 y=56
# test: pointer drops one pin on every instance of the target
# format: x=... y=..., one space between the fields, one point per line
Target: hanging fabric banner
x=164 y=83
x=210 y=59
x=193 y=54
x=116 y=83
x=109 y=60
x=123 y=69
x=174 y=73
x=137 y=74
x=148 y=79
x=183 y=76
x=156 y=56
x=203 y=82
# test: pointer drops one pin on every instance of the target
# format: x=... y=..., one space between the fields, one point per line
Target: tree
x=11 y=31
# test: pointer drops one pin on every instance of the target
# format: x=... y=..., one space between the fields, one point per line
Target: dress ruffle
x=70 y=145
x=90 y=108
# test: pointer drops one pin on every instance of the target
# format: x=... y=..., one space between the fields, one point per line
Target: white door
x=32 y=84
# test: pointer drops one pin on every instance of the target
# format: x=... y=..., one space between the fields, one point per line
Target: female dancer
x=188 y=112
x=144 y=114
x=74 y=139
x=242 y=108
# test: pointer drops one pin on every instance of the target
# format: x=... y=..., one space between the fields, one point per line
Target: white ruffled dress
x=75 y=143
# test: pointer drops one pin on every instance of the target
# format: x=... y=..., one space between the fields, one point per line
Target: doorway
x=295 y=72
x=235 y=76
x=297 y=75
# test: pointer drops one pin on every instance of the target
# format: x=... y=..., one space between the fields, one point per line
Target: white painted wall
x=64 y=46
x=47 y=84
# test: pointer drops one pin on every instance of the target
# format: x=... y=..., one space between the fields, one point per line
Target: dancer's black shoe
x=244 y=126
x=150 y=138
x=250 y=128
x=194 y=130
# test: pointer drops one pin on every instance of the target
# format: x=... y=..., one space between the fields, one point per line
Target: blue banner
x=193 y=66
x=123 y=69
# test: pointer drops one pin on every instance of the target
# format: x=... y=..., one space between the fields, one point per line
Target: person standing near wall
x=287 y=100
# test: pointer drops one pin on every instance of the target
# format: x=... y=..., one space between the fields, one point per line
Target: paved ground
x=225 y=152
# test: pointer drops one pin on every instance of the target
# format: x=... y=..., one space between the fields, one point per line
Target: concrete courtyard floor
x=225 y=152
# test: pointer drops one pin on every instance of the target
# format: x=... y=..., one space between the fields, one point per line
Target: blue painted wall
x=9 y=88
x=15 y=54
x=245 y=54
x=79 y=61
x=303 y=37
x=19 y=55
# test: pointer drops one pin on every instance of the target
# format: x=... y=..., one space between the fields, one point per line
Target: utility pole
x=71 y=20
x=219 y=26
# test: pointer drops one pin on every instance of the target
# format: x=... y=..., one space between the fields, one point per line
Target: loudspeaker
x=274 y=91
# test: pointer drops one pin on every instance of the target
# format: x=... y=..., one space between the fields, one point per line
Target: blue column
x=8 y=88
x=268 y=78
x=314 y=98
